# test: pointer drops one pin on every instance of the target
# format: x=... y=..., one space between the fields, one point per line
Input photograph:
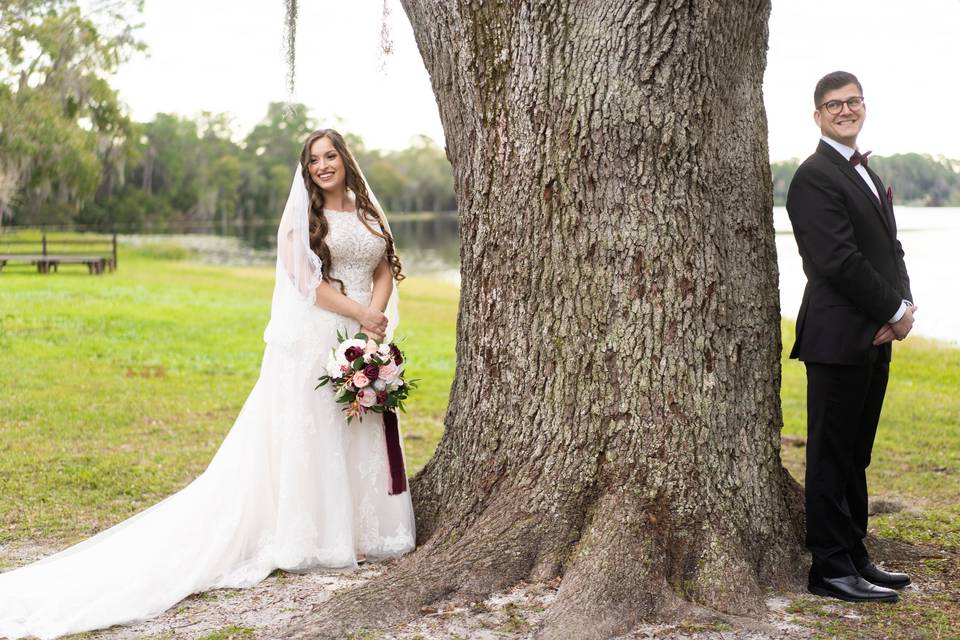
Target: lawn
x=115 y=391
x=914 y=480
x=915 y=469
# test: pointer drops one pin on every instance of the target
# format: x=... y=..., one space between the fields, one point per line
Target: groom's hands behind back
x=897 y=330
x=903 y=326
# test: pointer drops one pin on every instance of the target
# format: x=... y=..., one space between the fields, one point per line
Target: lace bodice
x=355 y=252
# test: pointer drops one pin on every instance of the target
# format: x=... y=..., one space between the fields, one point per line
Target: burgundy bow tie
x=859 y=158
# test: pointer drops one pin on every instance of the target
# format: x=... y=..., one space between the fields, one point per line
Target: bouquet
x=367 y=376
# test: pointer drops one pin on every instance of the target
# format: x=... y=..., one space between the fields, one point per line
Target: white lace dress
x=291 y=487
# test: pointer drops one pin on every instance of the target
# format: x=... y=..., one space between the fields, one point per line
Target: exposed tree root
x=498 y=551
x=627 y=570
x=622 y=571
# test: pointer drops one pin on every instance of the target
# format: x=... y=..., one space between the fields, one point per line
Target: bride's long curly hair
x=367 y=213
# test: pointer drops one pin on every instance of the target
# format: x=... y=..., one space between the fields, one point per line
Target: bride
x=292 y=486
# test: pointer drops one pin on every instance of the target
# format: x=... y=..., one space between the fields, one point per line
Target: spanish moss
x=386 y=42
x=291 y=46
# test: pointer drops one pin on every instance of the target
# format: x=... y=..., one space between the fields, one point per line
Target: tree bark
x=615 y=417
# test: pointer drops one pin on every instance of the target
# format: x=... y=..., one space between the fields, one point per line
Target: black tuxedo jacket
x=856 y=277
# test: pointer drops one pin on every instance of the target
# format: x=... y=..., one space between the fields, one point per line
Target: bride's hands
x=373 y=322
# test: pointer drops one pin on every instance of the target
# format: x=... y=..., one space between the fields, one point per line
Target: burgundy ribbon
x=398 y=475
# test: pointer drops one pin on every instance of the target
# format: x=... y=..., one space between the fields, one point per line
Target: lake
x=930 y=239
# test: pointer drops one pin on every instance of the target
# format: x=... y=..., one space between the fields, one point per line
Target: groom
x=857 y=300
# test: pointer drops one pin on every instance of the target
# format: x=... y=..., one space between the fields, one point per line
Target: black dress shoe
x=850 y=588
x=871 y=573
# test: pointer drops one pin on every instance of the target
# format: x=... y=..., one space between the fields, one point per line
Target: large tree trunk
x=615 y=416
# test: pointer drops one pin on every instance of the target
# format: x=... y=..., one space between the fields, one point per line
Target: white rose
x=333 y=367
x=367 y=397
x=379 y=384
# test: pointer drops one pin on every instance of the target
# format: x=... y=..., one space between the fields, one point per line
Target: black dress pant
x=843 y=409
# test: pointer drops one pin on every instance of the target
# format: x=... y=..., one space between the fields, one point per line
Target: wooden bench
x=95 y=264
x=47 y=261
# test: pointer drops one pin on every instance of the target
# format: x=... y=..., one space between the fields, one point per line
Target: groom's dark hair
x=833 y=81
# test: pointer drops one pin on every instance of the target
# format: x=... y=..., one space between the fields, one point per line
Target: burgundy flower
x=395 y=352
x=352 y=353
x=381 y=397
x=372 y=372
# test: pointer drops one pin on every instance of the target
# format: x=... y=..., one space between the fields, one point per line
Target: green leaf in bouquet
x=361 y=336
x=358 y=364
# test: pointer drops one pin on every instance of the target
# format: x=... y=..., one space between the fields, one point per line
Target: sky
x=228 y=56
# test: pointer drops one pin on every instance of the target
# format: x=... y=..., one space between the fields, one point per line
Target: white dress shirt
x=846 y=152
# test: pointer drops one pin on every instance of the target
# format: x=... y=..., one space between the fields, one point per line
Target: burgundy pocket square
x=890 y=195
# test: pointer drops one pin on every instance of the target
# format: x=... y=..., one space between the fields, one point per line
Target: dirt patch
x=269 y=609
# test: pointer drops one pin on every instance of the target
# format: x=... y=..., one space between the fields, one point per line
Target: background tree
x=182 y=174
x=59 y=118
x=272 y=150
x=918 y=180
x=615 y=417
x=417 y=178
x=782 y=173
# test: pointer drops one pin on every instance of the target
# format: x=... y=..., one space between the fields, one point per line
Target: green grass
x=230 y=633
x=116 y=390
x=427 y=334
x=915 y=468
x=915 y=475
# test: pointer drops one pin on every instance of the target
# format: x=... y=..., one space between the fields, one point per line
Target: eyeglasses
x=834 y=107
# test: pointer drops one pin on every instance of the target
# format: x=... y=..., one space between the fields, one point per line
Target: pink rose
x=371 y=347
x=367 y=397
x=360 y=380
x=388 y=371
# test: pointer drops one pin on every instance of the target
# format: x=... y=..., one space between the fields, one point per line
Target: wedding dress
x=293 y=486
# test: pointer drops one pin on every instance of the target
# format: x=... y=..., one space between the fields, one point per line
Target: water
x=428 y=243
x=930 y=239
x=931 y=246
